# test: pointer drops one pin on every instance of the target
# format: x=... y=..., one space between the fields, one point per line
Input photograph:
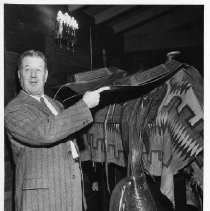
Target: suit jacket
x=41 y=149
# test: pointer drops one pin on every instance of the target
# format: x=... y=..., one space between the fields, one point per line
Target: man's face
x=33 y=75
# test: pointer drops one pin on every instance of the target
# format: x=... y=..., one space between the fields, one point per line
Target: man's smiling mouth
x=33 y=83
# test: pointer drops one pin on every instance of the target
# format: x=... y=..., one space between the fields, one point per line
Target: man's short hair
x=32 y=53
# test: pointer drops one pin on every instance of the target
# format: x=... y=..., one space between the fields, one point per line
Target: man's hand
x=92 y=98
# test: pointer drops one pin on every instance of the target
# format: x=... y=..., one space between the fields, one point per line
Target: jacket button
x=69 y=152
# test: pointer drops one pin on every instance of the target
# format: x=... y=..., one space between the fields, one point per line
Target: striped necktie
x=49 y=105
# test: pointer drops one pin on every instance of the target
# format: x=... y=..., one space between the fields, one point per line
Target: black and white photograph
x=103 y=106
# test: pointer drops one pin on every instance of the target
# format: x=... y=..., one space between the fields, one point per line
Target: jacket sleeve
x=29 y=126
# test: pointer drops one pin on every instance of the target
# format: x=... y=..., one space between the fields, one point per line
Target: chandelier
x=65 y=30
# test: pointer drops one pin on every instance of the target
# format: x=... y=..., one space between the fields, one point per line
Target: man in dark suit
x=48 y=173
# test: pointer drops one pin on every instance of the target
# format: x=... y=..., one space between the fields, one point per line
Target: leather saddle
x=132 y=192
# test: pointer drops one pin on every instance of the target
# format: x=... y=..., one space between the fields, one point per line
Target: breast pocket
x=36 y=195
x=35 y=183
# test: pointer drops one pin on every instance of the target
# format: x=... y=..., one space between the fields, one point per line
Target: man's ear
x=18 y=74
x=46 y=75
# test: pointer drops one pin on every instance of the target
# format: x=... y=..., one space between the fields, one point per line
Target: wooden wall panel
x=62 y=62
x=10 y=77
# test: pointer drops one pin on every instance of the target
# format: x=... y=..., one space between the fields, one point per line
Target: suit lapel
x=30 y=100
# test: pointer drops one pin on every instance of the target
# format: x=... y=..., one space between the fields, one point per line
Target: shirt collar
x=36 y=97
